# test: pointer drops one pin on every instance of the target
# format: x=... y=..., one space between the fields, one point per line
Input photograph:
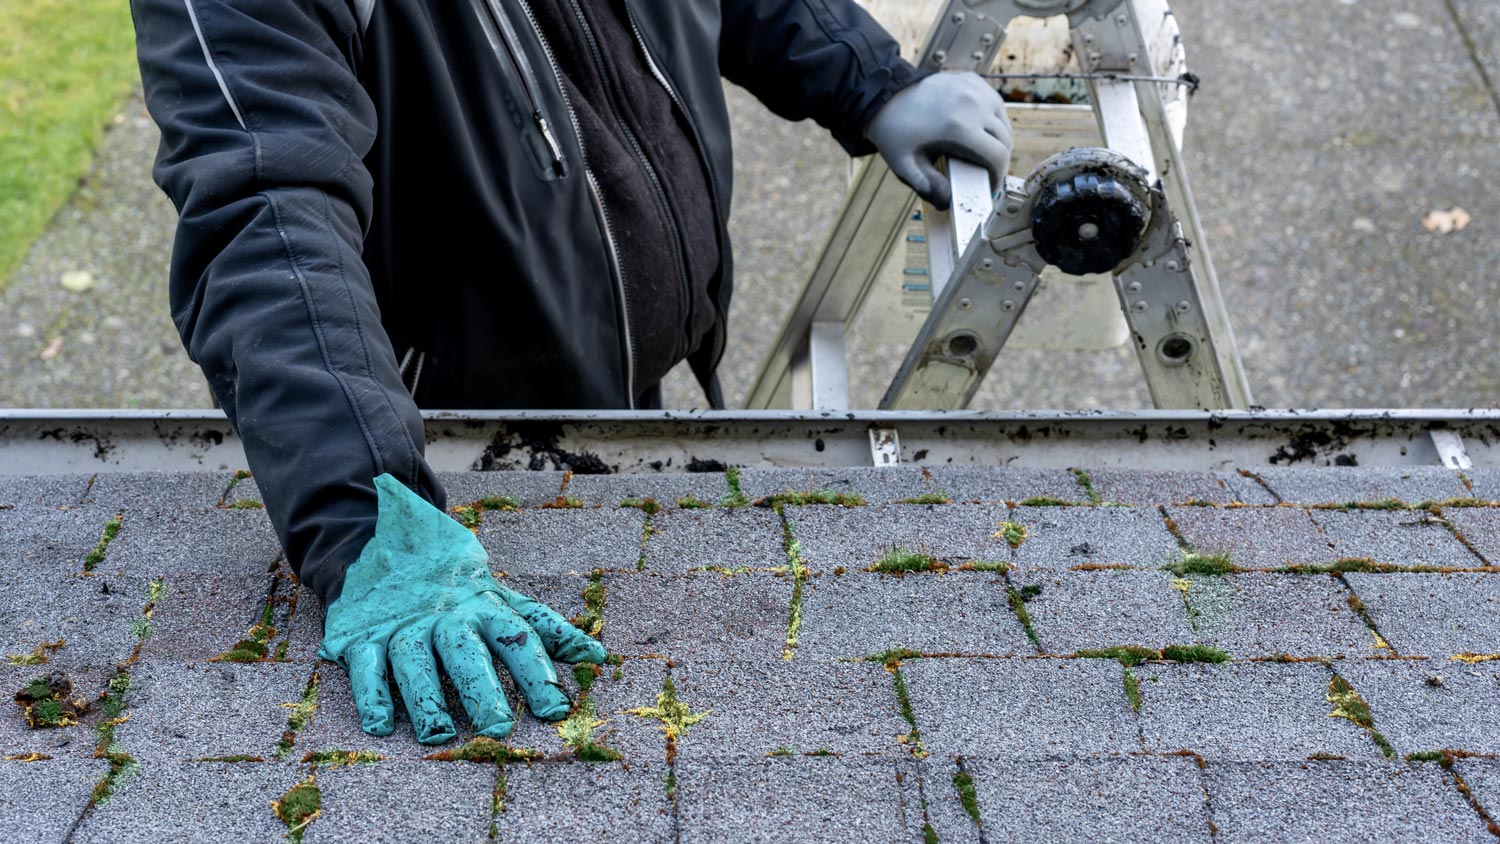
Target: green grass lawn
x=65 y=68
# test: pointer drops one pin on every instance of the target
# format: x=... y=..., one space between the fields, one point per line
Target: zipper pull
x=558 y=162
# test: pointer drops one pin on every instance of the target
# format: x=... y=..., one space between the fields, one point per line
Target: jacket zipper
x=720 y=332
x=685 y=294
x=609 y=237
x=529 y=85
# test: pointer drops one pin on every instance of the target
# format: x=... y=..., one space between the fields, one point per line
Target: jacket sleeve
x=824 y=59
x=264 y=130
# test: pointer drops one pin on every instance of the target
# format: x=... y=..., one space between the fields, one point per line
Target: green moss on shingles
x=298 y=807
x=928 y=498
x=591 y=620
x=1344 y=565
x=688 y=502
x=1086 y=483
x=913 y=737
x=300 y=715
x=1017 y=599
x=649 y=506
x=929 y=835
x=1349 y=705
x=37 y=655
x=1128 y=655
x=482 y=749
x=968 y=797
x=1195 y=653
x=577 y=731
x=111 y=530
x=991 y=566
x=1381 y=504
x=898 y=561
x=1201 y=564
x=1047 y=501
x=736 y=496
x=1014 y=533
x=676 y=717
x=247 y=504
x=1132 y=687
x=564 y=502
x=821 y=497
x=47 y=702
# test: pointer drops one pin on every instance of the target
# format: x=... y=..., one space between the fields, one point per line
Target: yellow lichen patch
x=27 y=757
x=675 y=716
x=1182 y=584
x=1475 y=659
x=38 y=654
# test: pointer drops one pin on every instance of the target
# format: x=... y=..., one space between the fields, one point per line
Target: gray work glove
x=955 y=114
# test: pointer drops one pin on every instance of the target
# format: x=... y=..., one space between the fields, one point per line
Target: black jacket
x=368 y=188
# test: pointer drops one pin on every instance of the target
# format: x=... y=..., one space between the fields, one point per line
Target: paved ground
x=1323 y=136
x=994 y=712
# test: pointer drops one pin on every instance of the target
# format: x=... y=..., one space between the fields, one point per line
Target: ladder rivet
x=1093 y=58
x=987 y=263
x=1088 y=39
x=1019 y=287
x=1007 y=305
x=958 y=17
x=987 y=39
x=1173 y=266
x=978 y=56
x=1133 y=287
x=965 y=304
x=940 y=56
x=1184 y=307
x=1012 y=209
x=1141 y=307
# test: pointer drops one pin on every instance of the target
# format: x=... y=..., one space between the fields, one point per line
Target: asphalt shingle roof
x=771 y=686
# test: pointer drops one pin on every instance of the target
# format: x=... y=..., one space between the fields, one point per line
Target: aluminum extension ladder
x=1126 y=210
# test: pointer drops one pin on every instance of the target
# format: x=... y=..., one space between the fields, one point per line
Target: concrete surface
x=808 y=740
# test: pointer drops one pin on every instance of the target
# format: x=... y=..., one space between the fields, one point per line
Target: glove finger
x=938 y=190
x=467 y=660
x=417 y=676
x=561 y=639
x=983 y=150
x=919 y=176
x=520 y=649
x=371 y=688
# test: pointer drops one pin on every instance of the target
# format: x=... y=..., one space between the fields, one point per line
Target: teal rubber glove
x=421 y=591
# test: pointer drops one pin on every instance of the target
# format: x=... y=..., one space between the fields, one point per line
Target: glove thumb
x=931 y=184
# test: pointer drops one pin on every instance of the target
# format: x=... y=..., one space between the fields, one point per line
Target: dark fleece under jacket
x=390 y=204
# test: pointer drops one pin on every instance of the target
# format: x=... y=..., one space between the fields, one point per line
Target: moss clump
x=968 y=797
x=901 y=562
x=484 y=750
x=1014 y=533
x=676 y=717
x=1132 y=688
x=1194 y=653
x=1087 y=484
x=247 y=504
x=913 y=737
x=688 y=502
x=798 y=570
x=564 y=502
x=649 y=506
x=1440 y=756
x=929 y=835
x=1380 y=504
x=252 y=648
x=37 y=655
x=111 y=530
x=1047 y=501
x=299 y=717
x=736 y=496
x=929 y=498
x=1128 y=655
x=1017 y=599
x=591 y=620
x=299 y=807
x=823 y=497
x=1349 y=705
x=1203 y=564
x=468 y=516
x=341 y=758
x=1340 y=566
x=985 y=566
x=781 y=751
x=48 y=702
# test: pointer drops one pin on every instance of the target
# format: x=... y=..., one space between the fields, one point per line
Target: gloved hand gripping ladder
x=1185 y=345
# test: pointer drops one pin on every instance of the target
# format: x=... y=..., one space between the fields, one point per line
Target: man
x=388 y=204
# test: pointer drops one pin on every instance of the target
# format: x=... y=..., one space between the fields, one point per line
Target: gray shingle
x=1458 y=710
x=702 y=615
x=1486 y=481
x=1481 y=527
x=41 y=541
x=1052 y=707
x=1062 y=537
x=803 y=706
x=1400 y=537
x=1254 y=614
x=858 y=537
x=224 y=543
x=1433 y=614
x=609 y=490
x=1482 y=776
x=205 y=801
x=999 y=484
x=199 y=618
x=876 y=486
x=1143 y=488
x=814 y=799
x=528 y=488
x=1245 y=712
x=1253 y=537
x=94 y=614
x=1098 y=609
x=1102 y=800
x=42 y=491
x=304 y=630
x=1338 y=801
x=18 y=739
x=563 y=541
x=158 y=492
x=1343 y=485
x=40 y=801
x=405 y=801
x=583 y=801
x=687 y=539
x=336 y=725
x=180 y=712
x=856 y=615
